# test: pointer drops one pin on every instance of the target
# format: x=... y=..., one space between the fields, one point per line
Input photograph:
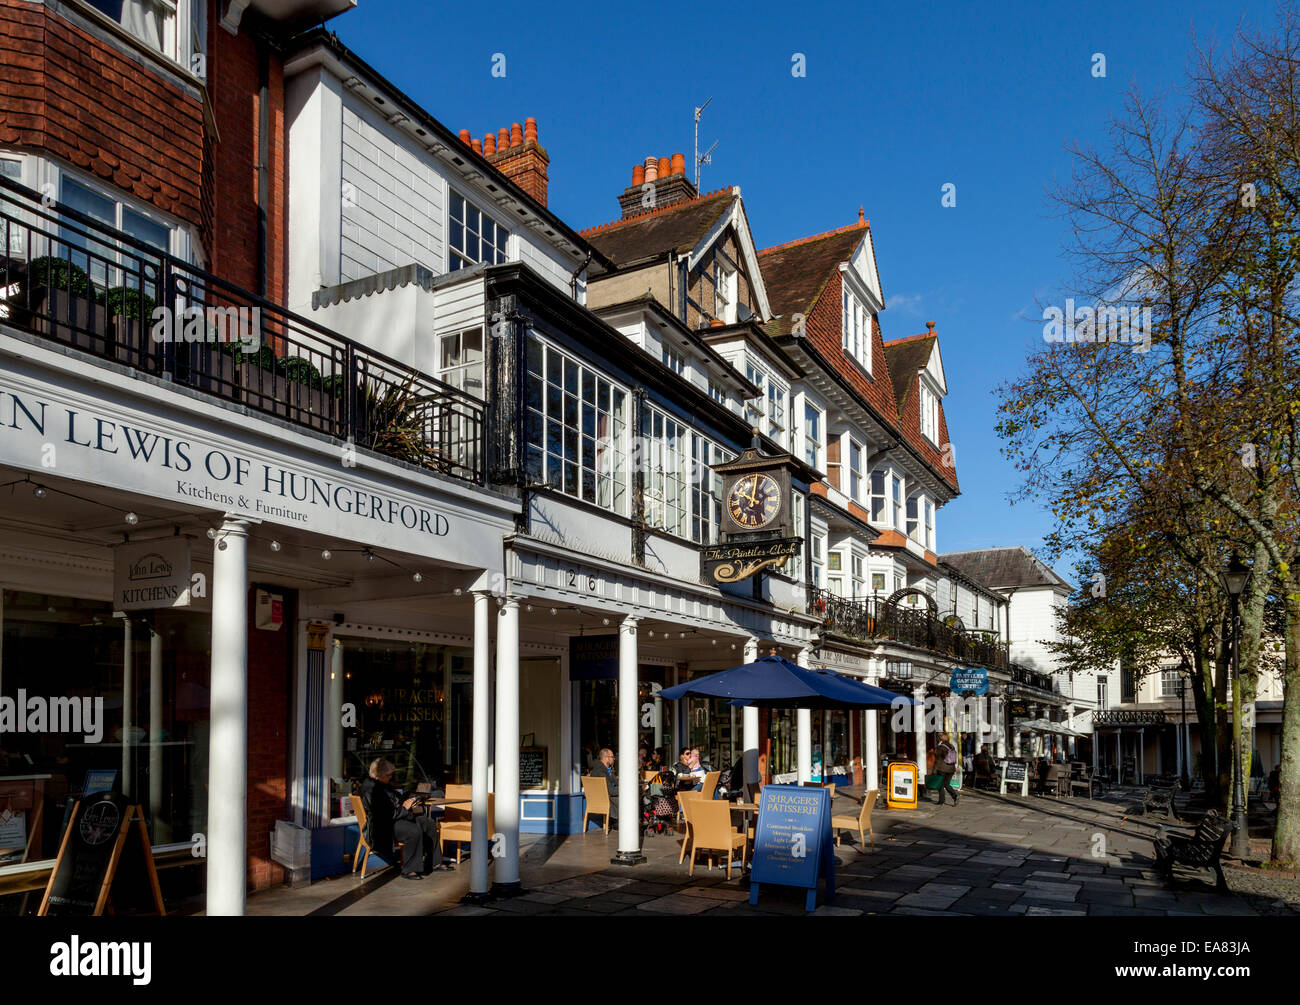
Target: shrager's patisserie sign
x=42 y=431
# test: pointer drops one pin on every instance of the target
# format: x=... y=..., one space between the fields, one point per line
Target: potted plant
x=395 y=421
x=64 y=304
x=130 y=311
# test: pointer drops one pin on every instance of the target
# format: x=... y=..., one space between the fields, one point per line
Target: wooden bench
x=1200 y=851
x=1161 y=797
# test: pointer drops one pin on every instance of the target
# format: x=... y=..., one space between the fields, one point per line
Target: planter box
x=133 y=346
x=270 y=391
x=72 y=320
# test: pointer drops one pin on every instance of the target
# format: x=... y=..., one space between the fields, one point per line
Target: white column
x=918 y=726
x=162 y=830
x=1139 y=760
x=803 y=734
x=629 y=789
x=871 y=749
x=1069 y=740
x=128 y=705
x=507 y=756
x=1000 y=741
x=334 y=714
x=480 y=831
x=1178 y=751
x=228 y=729
x=749 y=724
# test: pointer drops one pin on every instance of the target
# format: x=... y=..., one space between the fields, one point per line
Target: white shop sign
x=52 y=430
x=150 y=574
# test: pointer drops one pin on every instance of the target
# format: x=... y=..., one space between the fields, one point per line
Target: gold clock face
x=754 y=502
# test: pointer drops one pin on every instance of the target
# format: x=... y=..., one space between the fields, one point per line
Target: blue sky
x=897 y=101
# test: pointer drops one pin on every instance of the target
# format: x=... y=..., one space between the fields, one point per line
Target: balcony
x=68 y=279
x=873 y=620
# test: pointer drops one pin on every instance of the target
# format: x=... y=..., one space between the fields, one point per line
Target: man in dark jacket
x=604 y=768
x=945 y=763
x=389 y=819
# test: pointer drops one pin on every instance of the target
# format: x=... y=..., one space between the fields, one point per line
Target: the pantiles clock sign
x=757 y=530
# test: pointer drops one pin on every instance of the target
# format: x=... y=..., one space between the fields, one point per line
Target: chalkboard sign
x=532 y=767
x=101 y=827
x=1015 y=773
x=792 y=841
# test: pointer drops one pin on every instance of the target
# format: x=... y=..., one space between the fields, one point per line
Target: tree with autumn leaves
x=1163 y=452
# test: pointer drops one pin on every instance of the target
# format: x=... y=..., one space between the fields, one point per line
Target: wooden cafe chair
x=861 y=823
x=459 y=828
x=597 y=792
x=711 y=831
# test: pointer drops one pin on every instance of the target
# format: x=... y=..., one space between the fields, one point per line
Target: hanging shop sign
x=792 y=841
x=970 y=679
x=593 y=657
x=733 y=562
x=151 y=574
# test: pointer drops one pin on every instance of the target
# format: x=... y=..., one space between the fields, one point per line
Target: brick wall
x=83 y=101
x=269 y=686
x=66 y=94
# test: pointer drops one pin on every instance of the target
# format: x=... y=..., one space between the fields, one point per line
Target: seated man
x=985 y=767
x=390 y=818
x=604 y=768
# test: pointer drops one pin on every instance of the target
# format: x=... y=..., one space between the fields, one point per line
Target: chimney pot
x=930 y=327
x=665 y=167
x=861 y=216
x=638 y=174
x=530 y=130
x=476 y=146
x=489 y=145
x=651 y=169
x=464 y=136
x=503 y=138
x=516 y=134
x=679 y=163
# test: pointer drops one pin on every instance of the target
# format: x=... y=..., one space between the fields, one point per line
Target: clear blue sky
x=897 y=101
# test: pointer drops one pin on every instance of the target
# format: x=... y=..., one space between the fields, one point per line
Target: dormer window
x=855 y=322
x=929 y=402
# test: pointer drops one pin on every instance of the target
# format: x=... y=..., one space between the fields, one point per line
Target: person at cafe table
x=390 y=818
x=689 y=775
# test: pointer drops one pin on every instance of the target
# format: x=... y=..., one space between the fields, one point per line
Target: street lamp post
x=1235 y=580
x=1184 y=678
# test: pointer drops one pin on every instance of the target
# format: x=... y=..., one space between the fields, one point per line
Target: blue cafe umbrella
x=775 y=682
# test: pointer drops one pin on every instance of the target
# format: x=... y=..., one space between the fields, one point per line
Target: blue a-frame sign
x=792 y=842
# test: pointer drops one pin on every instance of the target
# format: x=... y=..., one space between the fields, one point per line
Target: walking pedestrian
x=945 y=763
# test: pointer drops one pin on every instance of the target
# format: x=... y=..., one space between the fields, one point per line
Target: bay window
x=855 y=472
x=575 y=429
x=706 y=489
x=666 y=445
x=174 y=28
x=812 y=436
x=460 y=361
x=929 y=525
x=896 y=516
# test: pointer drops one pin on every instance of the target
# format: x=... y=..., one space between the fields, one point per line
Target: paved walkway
x=989 y=855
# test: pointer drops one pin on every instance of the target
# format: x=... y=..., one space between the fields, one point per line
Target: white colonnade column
x=162 y=830
x=507 y=753
x=629 y=788
x=749 y=724
x=918 y=726
x=803 y=733
x=228 y=730
x=128 y=705
x=480 y=831
x=334 y=715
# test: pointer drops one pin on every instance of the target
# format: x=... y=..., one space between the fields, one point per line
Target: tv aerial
x=704 y=158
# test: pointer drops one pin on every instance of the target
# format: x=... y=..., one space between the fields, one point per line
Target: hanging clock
x=754 y=501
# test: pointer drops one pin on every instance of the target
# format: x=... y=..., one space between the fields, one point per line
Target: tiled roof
x=905 y=356
x=795 y=273
x=679 y=227
x=1004 y=568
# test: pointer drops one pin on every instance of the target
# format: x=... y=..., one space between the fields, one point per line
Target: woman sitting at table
x=390 y=818
x=687 y=775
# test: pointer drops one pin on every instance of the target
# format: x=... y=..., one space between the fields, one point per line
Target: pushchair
x=659 y=805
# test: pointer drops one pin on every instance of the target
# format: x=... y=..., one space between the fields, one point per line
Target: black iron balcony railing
x=70 y=279
x=871 y=619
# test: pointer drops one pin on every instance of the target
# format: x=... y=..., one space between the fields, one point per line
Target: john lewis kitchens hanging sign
x=151 y=574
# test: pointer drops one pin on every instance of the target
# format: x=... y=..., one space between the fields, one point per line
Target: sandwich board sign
x=1017 y=774
x=792 y=841
x=901 y=785
x=105 y=850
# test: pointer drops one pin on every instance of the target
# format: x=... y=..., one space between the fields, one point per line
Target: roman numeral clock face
x=754 y=502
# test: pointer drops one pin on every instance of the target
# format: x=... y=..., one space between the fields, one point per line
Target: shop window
x=460 y=361
x=575 y=429
x=67 y=652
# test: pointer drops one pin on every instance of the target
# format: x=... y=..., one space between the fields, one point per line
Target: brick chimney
x=517 y=155
x=671 y=186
